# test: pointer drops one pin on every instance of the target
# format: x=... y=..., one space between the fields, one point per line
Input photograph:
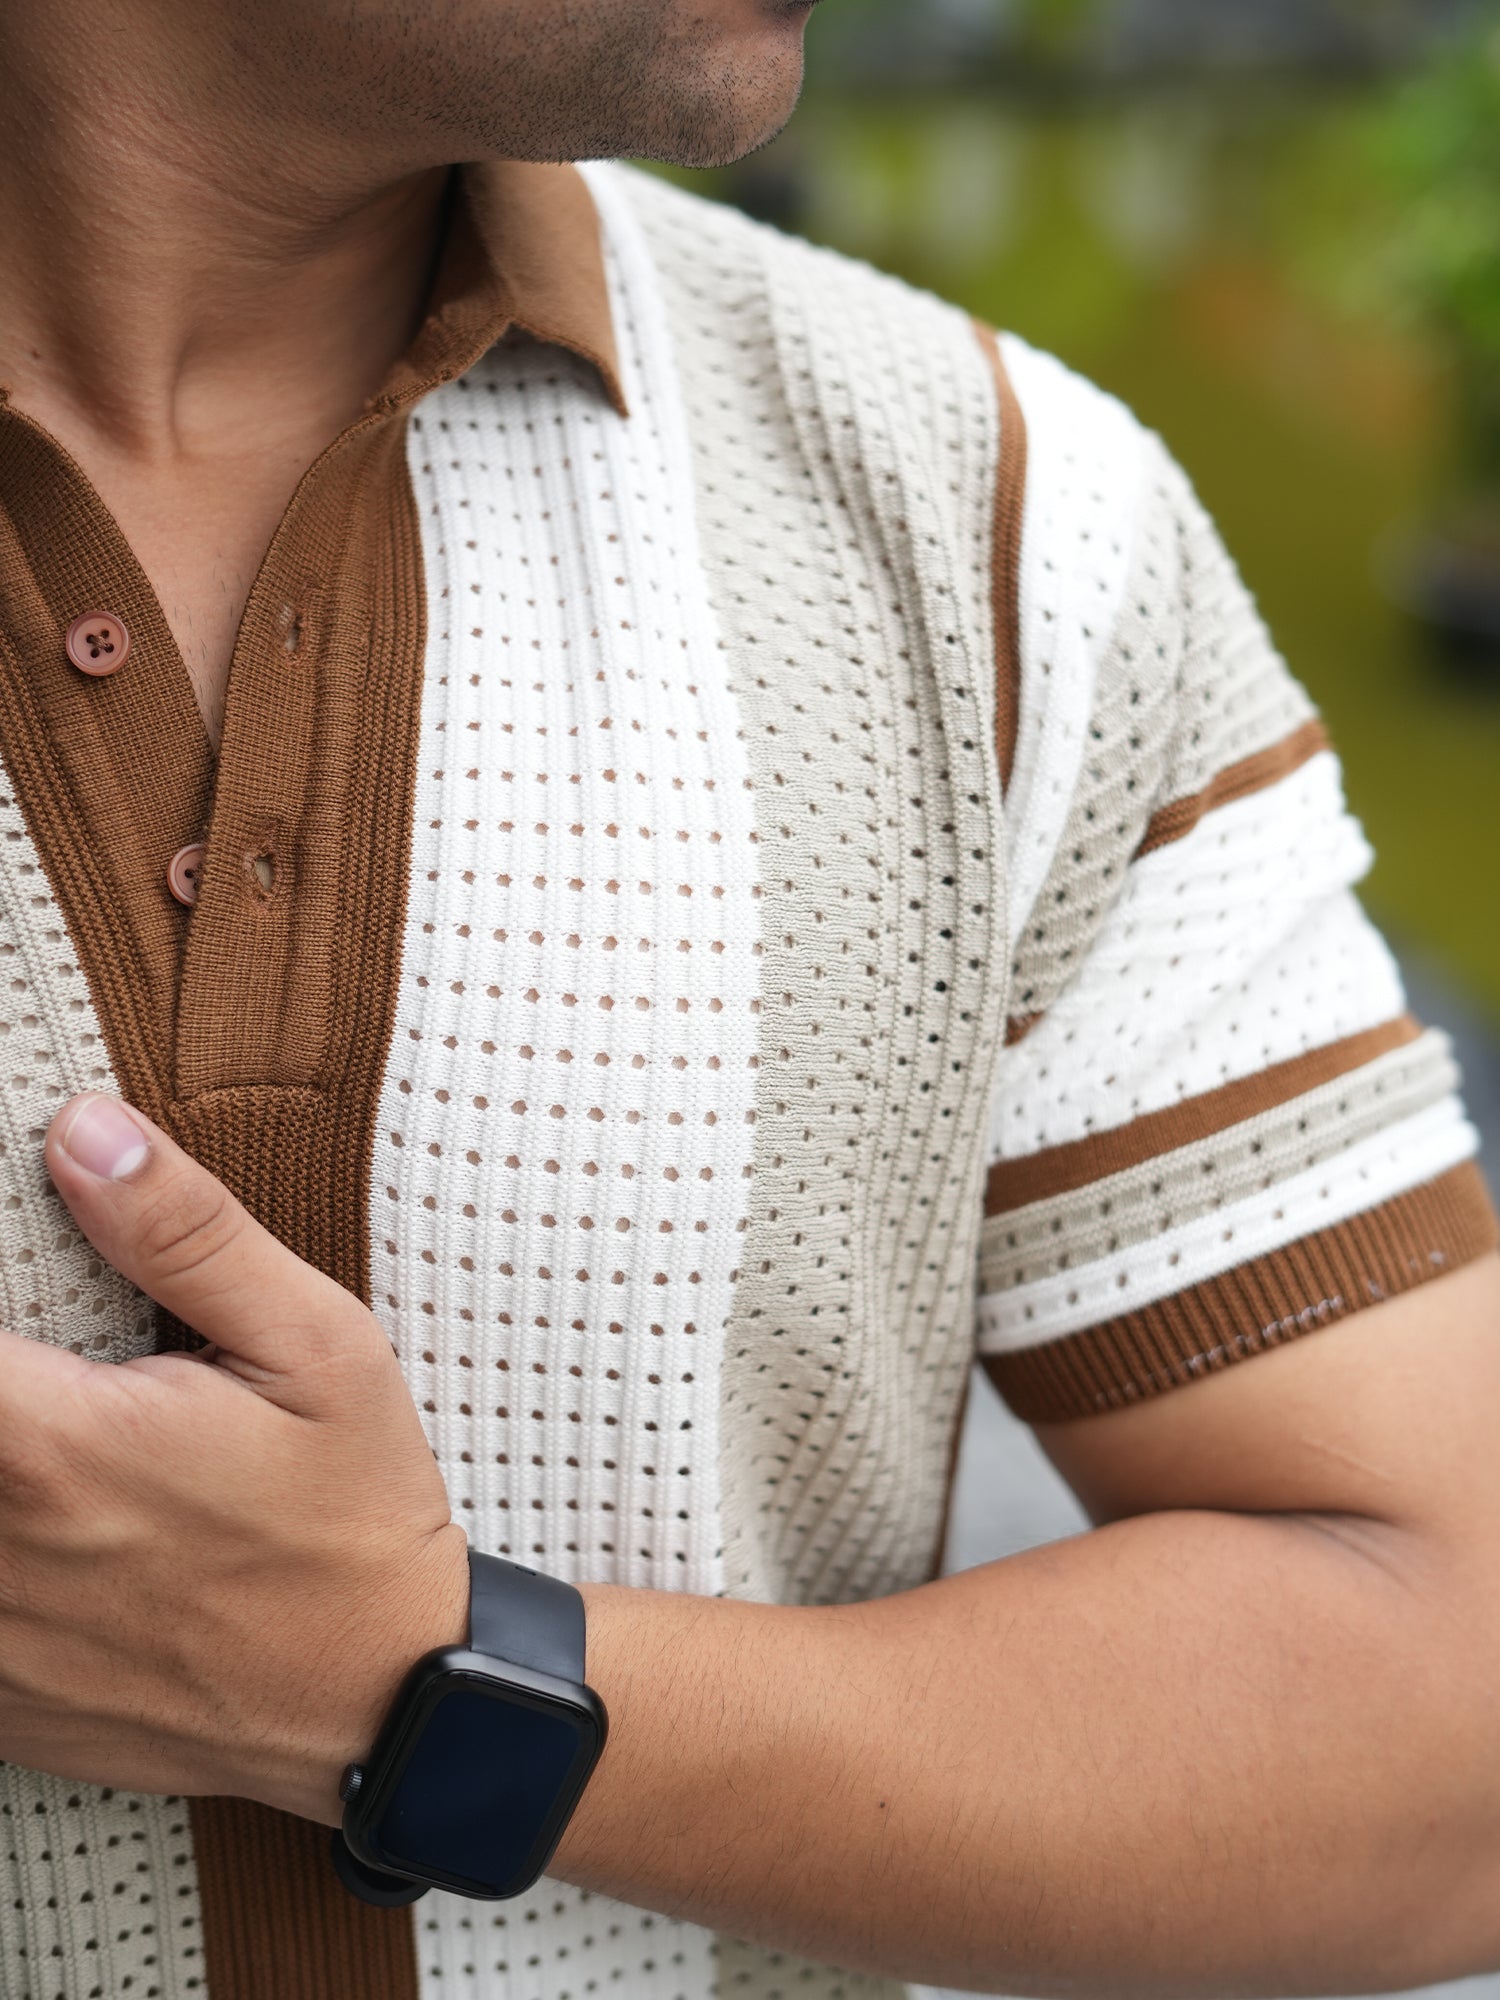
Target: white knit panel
x=98 y=1888
x=1084 y=494
x=1234 y=948
x=563 y=1148
x=1402 y=1156
x=54 y=1286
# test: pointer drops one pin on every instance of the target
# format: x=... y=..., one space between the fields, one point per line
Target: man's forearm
x=1190 y=1753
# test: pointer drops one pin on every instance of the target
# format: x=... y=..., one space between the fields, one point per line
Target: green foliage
x=1438 y=148
x=1053 y=28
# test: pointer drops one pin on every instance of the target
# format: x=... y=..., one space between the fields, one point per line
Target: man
x=547 y=734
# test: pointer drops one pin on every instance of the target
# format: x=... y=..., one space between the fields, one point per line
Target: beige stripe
x=1005 y=573
x=1266 y=1303
x=1060 y=1169
x=1218 y=1175
x=1237 y=781
x=1134 y=719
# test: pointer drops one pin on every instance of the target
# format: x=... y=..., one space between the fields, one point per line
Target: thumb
x=165 y=1223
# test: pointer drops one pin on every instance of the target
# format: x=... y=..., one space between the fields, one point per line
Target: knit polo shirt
x=759 y=850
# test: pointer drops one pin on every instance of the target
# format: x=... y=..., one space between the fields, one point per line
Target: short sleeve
x=1216 y=1128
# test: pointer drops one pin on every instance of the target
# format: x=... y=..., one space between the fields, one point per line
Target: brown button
x=185 y=871
x=98 y=643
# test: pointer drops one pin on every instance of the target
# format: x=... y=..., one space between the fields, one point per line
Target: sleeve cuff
x=1403 y=1242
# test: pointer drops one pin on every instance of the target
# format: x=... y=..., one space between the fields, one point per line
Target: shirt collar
x=522 y=249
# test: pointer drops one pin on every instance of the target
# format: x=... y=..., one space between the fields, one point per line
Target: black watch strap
x=516 y=1615
x=533 y=1621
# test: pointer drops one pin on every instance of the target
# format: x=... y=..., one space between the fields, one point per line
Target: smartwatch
x=485 y=1752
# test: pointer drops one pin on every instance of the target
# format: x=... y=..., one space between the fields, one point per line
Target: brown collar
x=522 y=250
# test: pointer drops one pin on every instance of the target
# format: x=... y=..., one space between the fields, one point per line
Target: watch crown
x=349 y=1784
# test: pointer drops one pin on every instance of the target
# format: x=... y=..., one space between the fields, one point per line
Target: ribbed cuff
x=1274 y=1299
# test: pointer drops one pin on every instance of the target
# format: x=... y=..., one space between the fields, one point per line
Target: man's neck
x=188 y=273
x=202 y=286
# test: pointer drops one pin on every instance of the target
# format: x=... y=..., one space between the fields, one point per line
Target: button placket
x=252 y=1009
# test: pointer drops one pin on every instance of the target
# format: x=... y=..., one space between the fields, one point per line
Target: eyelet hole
x=263 y=868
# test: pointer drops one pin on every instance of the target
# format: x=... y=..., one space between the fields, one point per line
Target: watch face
x=481 y=1784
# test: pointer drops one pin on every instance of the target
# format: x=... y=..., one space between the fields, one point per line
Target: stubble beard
x=584 y=79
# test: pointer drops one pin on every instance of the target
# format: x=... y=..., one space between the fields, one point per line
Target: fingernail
x=104 y=1139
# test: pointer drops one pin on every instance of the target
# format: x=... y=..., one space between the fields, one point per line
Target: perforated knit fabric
x=1081 y=535
x=846 y=507
x=628 y=1034
x=697 y=1013
x=50 y=1046
x=97 y=1891
x=1226 y=952
x=1401 y=1101
x=563 y=1156
x=1206 y=1072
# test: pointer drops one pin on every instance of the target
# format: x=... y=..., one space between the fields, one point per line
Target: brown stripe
x=541 y=233
x=275 y=1921
x=255 y=1028
x=1005 y=571
x=1061 y=1169
x=1263 y=1304
x=1236 y=781
x=296 y=1142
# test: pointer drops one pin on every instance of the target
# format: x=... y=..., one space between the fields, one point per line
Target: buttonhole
x=263 y=868
x=291 y=629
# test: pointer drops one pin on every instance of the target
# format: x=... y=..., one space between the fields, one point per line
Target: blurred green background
x=1273 y=226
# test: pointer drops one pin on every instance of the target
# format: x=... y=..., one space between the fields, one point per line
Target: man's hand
x=215 y=1568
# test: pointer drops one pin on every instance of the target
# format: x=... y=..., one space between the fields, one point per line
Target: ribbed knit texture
x=1310 y=1284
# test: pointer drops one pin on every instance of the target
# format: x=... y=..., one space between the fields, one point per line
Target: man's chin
x=743 y=88
x=745 y=112
x=692 y=83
